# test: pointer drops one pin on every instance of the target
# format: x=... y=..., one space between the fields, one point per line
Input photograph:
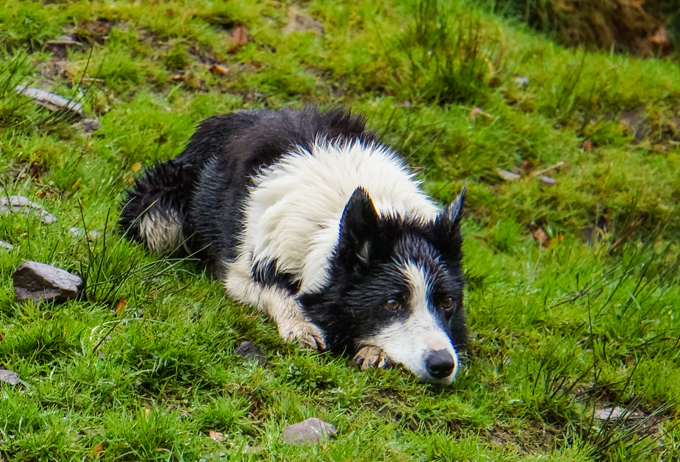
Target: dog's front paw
x=304 y=332
x=370 y=356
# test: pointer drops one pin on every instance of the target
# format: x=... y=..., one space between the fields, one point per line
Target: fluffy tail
x=154 y=209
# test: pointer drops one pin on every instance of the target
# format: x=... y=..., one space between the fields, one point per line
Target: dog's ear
x=358 y=229
x=446 y=234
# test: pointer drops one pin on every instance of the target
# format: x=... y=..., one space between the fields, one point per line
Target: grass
x=142 y=366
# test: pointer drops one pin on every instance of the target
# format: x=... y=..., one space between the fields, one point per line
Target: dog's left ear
x=358 y=230
x=446 y=234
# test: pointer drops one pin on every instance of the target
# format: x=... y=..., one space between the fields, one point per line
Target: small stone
x=77 y=232
x=88 y=125
x=10 y=377
x=522 y=81
x=37 y=281
x=251 y=352
x=300 y=22
x=6 y=246
x=64 y=40
x=18 y=204
x=309 y=431
x=50 y=100
x=609 y=413
x=508 y=176
x=547 y=180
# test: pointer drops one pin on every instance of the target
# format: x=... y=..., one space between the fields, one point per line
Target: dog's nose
x=440 y=364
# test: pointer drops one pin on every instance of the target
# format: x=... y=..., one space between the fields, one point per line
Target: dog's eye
x=447 y=303
x=392 y=304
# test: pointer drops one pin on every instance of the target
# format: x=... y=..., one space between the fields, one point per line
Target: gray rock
x=251 y=352
x=6 y=246
x=10 y=377
x=19 y=204
x=508 y=176
x=309 y=431
x=88 y=125
x=522 y=81
x=547 y=180
x=38 y=281
x=51 y=101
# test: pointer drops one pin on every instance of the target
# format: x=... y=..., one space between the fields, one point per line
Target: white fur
x=411 y=342
x=295 y=206
x=161 y=231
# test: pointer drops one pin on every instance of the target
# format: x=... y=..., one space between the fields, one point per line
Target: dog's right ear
x=358 y=229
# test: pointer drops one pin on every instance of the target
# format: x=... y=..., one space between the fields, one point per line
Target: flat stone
x=50 y=100
x=251 y=352
x=300 y=22
x=19 y=204
x=547 y=180
x=37 y=281
x=508 y=176
x=616 y=413
x=10 y=377
x=6 y=246
x=309 y=431
x=88 y=125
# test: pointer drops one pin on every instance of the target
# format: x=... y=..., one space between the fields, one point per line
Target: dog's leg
x=277 y=302
x=370 y=356
x=285 y=310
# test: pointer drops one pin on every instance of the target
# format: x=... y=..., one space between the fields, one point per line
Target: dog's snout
x=440 y=364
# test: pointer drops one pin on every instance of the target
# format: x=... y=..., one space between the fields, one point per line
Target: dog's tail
x=154 y=209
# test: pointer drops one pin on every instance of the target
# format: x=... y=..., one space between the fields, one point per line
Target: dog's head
x=400 y=288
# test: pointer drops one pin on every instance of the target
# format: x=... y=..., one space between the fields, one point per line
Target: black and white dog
x=307 y=216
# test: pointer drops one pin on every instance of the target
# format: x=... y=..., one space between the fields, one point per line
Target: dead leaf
x=540 y=235
x=587 y=145
x=217 y=436
x=218 y=69
x=477 y=110
x=526 y=166
x=97 y=450
x=120 y=306
x=240 y=36
x=76 y=184
x=660 y=37
x=169 y=12
x=177 y=78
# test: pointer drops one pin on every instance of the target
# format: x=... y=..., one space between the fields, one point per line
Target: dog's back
x=305 y=215
x=196 y=200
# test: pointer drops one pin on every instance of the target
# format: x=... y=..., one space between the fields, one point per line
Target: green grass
x=142 y=365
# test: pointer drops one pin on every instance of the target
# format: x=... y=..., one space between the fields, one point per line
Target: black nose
x=440 y=364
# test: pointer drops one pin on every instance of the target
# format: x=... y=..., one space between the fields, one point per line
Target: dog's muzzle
x=440 y=364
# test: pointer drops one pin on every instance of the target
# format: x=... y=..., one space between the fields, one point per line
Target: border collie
x=306 y=215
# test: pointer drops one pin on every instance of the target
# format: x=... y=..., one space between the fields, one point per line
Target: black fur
x=207 y=186
x=209 y=180
x=353 y=306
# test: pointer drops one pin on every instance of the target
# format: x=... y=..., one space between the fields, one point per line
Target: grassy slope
x=557 y=331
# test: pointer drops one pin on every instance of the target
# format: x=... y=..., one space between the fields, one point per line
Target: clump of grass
x=448 y=61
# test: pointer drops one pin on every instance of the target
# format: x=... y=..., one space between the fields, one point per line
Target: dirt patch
x=635 y=26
